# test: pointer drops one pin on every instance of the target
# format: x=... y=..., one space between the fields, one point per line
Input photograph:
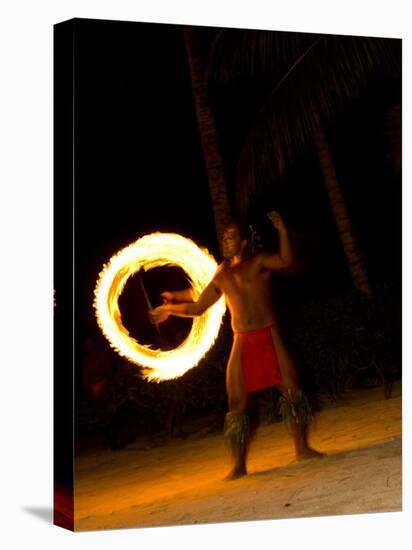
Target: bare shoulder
x=264 y=261
x=259 y=260
x=218 y=277
x=252 y=265
x=219 y=271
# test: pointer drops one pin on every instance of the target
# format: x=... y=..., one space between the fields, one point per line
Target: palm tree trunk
x=208 y=136
x=345 y=230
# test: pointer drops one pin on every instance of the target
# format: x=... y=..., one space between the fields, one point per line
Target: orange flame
x=156 y=250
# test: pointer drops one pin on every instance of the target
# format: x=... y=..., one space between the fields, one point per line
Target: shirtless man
x=259 y=358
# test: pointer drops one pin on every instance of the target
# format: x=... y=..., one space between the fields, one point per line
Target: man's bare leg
x=237 y=420
x=238 y=446
x=296 y=408
x=297 y=415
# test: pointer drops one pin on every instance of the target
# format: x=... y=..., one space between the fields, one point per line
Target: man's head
x=235 y=239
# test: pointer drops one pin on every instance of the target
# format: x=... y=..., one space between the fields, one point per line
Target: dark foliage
x=349 y=340
x=160 y=408
x=306 y=80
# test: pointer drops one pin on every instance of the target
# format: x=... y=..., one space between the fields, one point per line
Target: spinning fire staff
x=259 y=358
x=147 y=299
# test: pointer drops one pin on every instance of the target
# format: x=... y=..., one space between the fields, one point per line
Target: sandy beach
x=181 y=482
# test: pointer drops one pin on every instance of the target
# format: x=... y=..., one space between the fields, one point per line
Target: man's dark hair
x=247 y=233
x=242 y=227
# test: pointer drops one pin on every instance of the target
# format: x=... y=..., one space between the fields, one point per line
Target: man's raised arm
x=283 y=260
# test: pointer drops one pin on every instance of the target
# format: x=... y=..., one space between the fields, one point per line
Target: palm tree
x=207 y=131
x=308 y=78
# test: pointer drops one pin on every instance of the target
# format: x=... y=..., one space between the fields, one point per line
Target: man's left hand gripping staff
x=159 y=314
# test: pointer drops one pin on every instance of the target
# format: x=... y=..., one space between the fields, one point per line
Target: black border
x=64 y=236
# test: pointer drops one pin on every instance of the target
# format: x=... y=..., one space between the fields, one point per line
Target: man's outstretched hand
x=159 y=314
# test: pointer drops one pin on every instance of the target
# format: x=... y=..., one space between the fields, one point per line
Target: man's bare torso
x=246 y=287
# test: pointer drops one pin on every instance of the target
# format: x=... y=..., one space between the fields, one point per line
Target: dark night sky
x=139 y=165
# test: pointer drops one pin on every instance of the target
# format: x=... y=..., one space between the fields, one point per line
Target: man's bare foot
x=236 y=473
x=307 y=454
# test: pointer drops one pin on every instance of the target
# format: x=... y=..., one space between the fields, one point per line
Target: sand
x=181 y=483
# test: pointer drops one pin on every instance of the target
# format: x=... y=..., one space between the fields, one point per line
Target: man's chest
x=241 y=280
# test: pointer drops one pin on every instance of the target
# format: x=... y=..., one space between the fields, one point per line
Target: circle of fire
x=157 y=250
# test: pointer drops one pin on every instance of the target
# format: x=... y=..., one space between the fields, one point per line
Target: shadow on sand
x=329 y=457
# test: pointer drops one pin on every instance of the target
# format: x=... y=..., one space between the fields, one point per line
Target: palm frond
x=334 y=71
x=312 y=76
x=237 y=54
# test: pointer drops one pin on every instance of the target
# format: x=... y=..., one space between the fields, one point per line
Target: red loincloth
x=259 y=360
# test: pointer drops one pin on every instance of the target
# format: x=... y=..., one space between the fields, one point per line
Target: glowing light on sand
x=157 y=250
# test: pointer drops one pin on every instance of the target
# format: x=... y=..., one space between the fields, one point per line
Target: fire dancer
x=259 y=358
